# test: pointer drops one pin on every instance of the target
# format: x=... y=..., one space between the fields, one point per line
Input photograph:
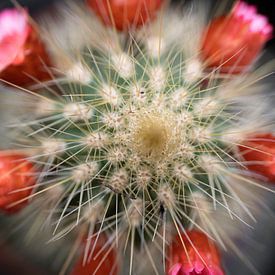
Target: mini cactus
x=140 y=135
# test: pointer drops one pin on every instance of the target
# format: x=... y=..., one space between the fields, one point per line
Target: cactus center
x=152 y=134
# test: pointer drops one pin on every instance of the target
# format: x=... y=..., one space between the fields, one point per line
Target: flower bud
x=125 y=14
x=17 y=179
x=203 y=256
x=101 y=260
x=259 y=155
x=233 y=42
x=23 y=58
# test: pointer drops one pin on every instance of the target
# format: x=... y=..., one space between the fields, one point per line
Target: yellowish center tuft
x=152 y=134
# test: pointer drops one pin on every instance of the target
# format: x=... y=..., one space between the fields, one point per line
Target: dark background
x=262 y=258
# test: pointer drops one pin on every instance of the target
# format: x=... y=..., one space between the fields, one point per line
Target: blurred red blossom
x=259 y=154
x=101 y=260
x=193 y=253
x=23 y=57
x=14 y=31
x=125 y=14
x=232 y=42
x=17 y=179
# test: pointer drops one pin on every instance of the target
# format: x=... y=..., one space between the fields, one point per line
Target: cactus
x=137 y=136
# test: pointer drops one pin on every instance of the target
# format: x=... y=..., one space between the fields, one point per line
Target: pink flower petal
x=258 y=24
x=175 y=269
x=267 y=31
x=199 y=266
x=14 y=30
x=248 y=14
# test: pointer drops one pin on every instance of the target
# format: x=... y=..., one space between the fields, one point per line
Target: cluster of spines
x=137 y=140
x=131 y=136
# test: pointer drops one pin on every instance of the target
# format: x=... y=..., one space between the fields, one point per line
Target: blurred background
x=260 y=249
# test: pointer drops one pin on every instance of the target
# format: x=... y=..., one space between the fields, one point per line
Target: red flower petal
x=233 y=42
x=259 y=152
x=203 y=256
x=17 y=179
x=124 y=14
x=103 y=259
x=22 y=54
x=14 y=30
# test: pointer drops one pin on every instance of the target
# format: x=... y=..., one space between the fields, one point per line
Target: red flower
x=203 y=256
x=17 y=179
x=259 y=152
x=103 y=259
x=234 y=41
x=21 y=51
x=124 y=14
x=14 y=30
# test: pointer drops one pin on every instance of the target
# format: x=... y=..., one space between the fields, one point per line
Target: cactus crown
x=135 y=134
